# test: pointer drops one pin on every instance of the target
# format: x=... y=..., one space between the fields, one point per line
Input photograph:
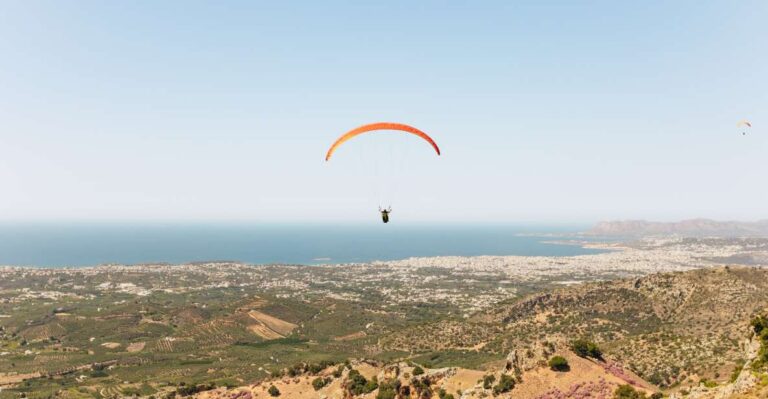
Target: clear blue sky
x=546 y=111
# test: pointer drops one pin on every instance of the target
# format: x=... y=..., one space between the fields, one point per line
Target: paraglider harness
x=385 y=214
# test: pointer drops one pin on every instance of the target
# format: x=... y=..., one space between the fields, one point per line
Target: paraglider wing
x=380 y=126
x=744 y=124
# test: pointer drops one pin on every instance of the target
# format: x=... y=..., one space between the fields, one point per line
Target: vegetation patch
x=585 y=348
x=356 y=384
x=559 y=363
x=760 y=328
x=506 y=384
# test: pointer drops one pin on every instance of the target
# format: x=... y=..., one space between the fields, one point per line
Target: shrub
x=130 y=391
x=320 y=382
x=709 y=383
x=421 y=387
x=559 y=363
x=99 y=373
x=442 y=394
x=358 y=385
x=388 y=389
x=736 y=370
x=297 y=369
x=187 y=390
x=315 y=368
x=506 y=384
x=584 y=348
x=273 y=391
x=488 y=381
x=370 y=386
x=386 y=394
x=418 y=371
x=759 y=324
x=628 y=392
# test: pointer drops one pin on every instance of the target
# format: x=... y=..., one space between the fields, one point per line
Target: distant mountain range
x=693 y=227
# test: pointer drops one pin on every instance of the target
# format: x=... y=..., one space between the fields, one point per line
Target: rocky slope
x=672 y=329
x=585 y=379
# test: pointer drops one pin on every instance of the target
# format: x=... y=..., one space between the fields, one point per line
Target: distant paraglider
x=744 y=125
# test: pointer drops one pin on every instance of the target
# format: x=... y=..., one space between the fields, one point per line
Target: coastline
x=90 y=246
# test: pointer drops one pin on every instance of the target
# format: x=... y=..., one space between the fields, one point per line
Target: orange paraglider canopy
x=380 y=126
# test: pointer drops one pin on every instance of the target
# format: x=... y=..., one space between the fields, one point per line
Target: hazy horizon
x=546 y=113
x=538 y=224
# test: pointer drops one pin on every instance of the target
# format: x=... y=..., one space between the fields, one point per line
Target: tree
x=559 y=363
x=506 y=384
x=418 y=371
x=584 y=348
x=273 y=391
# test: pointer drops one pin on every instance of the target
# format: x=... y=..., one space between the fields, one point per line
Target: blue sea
x=59 y=245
